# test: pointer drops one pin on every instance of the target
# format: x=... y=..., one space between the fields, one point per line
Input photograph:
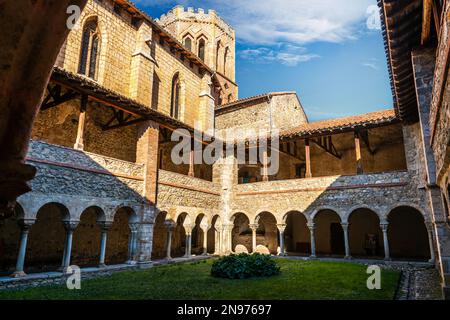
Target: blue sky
x=329 y=51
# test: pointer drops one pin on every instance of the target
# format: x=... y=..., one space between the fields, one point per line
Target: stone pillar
x=384 y=227
x=104 y=226
x=205 y=239
x=79 y=143
x=70 y=227
x=191 y=172
x=346 y=243
x=170 y=228
x=188 y=249
x=217 y=240
x=308 y=173
x=227 y=239
x=132 y=243
x=359 y=164
x=25 y=225
x=281 y=228
x=312 y=228
x=253 y=227
x=430 y=242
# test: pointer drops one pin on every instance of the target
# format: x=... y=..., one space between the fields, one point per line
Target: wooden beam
x=326 y=143
x=437 y=16
x=359 y=165
x=364 y=135
x=426 y=21
x=124 y=124
x=308 y=173
x=79 y=143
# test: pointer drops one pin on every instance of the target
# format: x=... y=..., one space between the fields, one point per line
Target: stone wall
x=176 y=190
x=71 y=172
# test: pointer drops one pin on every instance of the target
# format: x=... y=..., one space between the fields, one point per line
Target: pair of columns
x=281 y=228
x=188 y=249
x=70 y=226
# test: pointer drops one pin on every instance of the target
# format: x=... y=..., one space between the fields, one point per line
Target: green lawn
x=298 y=280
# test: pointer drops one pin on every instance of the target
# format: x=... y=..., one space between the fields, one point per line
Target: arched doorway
x=214 y=236
x=407 y=234
x=46 y=239
x=86 y=238
x=241 y=235
x=10 y=241
x=159 y=249
x=267 y=232
x=198 y=235
x=179 y=235
x=297 y=237
x=365 y=235
x=329 y=235
x=118 y=243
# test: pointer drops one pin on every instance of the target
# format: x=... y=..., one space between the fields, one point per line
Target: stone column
x=104 y=226
x=170 y=228
x=70 y=227
x=79 y=143
x=312 y=228
x=25 y=225
x=227 y=239
x=359 y=164
x=265 y=176
x=188 y=249
x=281 y=228
x=346 y=243
x=191 y=172
x=132 y=243
x=384 y=227
x=253 y=227
x=217 y=240
x=430 y=242
x=205 y=239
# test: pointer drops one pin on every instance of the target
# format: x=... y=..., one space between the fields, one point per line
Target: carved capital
x=253 y=226
x=344 y=226
x=384 y=225
x=133 y=227
x=25 y=224
x=70 y=226
x=104 y=225
x=281 y=227
x=311 y=226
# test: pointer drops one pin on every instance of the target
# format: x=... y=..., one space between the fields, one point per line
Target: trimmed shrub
x=244 y=265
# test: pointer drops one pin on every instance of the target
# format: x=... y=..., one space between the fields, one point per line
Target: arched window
x=89 y=50
x=217 y=55
x=201 y=49
x=175 y=98
x=225 y=57
x=230 y=98
x=188 y=43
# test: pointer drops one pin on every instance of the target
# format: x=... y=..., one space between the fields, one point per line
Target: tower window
x=225 y=58
x=188 y=43
x=175 y=98
x=89 y=50
x=201 y=49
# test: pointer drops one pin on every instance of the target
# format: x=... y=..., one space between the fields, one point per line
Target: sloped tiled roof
x=244 y=102
x=333 y=126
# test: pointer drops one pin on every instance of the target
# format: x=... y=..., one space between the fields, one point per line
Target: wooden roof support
x=326 y=143
x=426 y=21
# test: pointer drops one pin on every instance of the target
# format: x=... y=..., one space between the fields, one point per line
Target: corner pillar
x=25 y=225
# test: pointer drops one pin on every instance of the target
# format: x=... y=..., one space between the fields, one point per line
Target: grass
x=298 y=280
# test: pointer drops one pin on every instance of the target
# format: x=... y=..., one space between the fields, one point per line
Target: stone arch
x=329 y=235
x=312 y=214
x=46 y=238
x=201 y=222
x=418 y=208
x=214 y=234
x=297 y=237
x=183 y=225
x=86 y=237
x=405 y=221
x=10 y=240
x=364 y=233
x=241 y=234
x=117 y=245
x=160 y=235
x=267 y=231
x=345 y=217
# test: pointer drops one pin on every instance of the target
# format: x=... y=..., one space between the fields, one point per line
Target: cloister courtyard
x=298 y=280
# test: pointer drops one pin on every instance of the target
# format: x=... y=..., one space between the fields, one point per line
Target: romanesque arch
x=407 y=234
x=365 y=235
x=86 y=237
x=214 y=234
x=9 y=241
x=241 y=234
x=46 y=239
x=182 y=227
x=198 y=234
x=266 y=233
x=159 y=236
x=119 y=236
x=297 y=236
x=329 y=235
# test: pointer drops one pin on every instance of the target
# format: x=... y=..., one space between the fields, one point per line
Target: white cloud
x=373 y=21
x=288 y=55
x=371 y=63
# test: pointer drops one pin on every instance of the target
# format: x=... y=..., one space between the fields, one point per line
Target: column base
x=145 y=264
x=18 y=274
x=387 y=259
x=102 y=266
x=131 y=262
x=348 y=258
x=312 y=257
x=432 y=261
x=284 y=254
